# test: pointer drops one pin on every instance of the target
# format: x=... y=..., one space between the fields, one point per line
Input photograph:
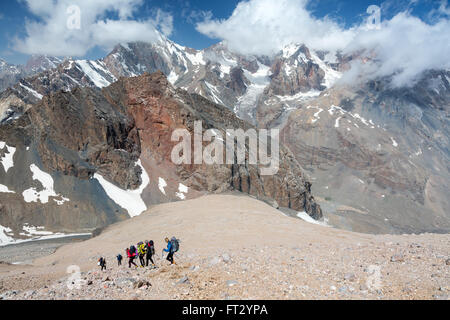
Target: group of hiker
x=145 y=251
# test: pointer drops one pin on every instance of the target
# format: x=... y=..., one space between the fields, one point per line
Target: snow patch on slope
x=33 y=233
x=161 y=185
x=196 y=59
x=4 y=189
x=4 y=237
x=33 y=92
x=46 y=180
x=306 y=217
x=173 y=77
x=394 y=143
x=259 y=81
x=300 y=96
x=331 y=75
x=214 y=93
x=182 y=190
x=336 y=124
x=130 y=200
x=8 y=159
x=316 y=115
x=88 y=68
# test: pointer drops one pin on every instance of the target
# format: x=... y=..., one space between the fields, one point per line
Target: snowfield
x=46 y=180
x=8 y=159
x=33 y=92
x=90 y=69
x=259 y=81
x=4 y=238
x=306 y=217
x=182 y=190
x=161 y=185
x=129 y=200
x=4 y=189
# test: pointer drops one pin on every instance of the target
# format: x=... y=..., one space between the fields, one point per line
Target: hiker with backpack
x=172 y=247
x=102 y=263
x=141 y=251
x=131 y=254
x=150 y=247
x=119 y=259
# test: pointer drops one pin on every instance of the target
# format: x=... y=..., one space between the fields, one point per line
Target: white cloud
x=195 y=16
x=265 y=26
x=404 y=46
x=442 y=11
x=103 y=23
x=164 y=21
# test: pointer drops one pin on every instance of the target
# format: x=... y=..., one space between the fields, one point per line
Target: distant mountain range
x=11 y=74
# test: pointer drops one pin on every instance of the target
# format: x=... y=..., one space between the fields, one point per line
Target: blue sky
x=14 y=15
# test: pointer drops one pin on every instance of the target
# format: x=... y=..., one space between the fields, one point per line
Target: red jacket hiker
x=131 y=257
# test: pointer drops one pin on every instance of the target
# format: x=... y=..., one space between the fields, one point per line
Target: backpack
x=142 y=249
x=151 y=248
x=175 y=244
x=119 y=257
x=132 y=249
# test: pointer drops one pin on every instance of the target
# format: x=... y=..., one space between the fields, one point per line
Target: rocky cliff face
x=294 y=73
x=71 y=160
x=378 y=155
x=158 y=109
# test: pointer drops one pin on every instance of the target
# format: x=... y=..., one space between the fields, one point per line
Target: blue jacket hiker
x=170 y=251
x=119 y=259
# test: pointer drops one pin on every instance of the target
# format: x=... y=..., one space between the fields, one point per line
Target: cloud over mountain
x=68 y=28
x=402 y=47
x=265 y=26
